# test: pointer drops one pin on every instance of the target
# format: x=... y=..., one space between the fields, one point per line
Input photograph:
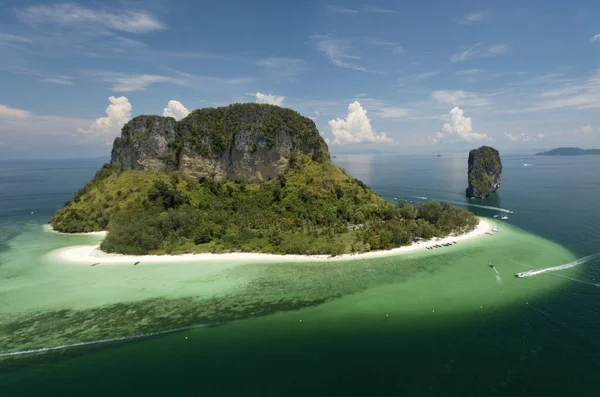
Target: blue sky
x=412 y=77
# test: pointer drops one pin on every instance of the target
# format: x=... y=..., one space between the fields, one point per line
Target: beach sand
x=90 y=254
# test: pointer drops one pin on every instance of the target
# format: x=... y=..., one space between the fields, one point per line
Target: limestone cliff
x=485 y=172
x=249 y=142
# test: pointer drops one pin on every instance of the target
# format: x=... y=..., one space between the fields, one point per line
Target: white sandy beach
x=90 y=254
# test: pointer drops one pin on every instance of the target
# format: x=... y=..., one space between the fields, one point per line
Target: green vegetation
x=311 y=208
x=484 y=168
x=211 y=130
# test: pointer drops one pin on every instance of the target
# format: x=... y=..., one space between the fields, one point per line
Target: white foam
x=561 y=267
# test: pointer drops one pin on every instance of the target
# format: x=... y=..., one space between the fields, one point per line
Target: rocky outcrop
x=243 y=142
x=485 y=172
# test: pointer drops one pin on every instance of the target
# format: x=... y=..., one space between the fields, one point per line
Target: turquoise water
x=430 y=323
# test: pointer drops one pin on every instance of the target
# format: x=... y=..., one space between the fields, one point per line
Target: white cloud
x=14 y=38
x=282 y=66
x=393 y=112
x=380 y=42
x=541 y=136
x=341 y=9
x=578 y=95
x=176 y=110
x=522 y=137
x=269 y=98
x=468 y=72
x=55 y=80
x=497 y=49
x=356 y=127
x=464 y=55
x=338 y=53
x=380 y=10
x=475 y=16
x=595 y=38
x=459 y=98
x=586 y=129
x=13 y=113
x=136 y=82
x=478 y=51
x=74 y=15
x=425 y=75
x=107 y=128
x=460 y=127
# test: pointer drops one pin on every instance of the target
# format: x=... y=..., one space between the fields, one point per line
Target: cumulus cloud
x=459 y=98
x=518 y=137
x=356 y=127
x=92 y=20
x=269 y=98
x=13 y=113
x=523 y=137
x=586 y=129
x=459 y=127
x=475 y=16
x=107 y=128
x=595 y=38
x=176 y=110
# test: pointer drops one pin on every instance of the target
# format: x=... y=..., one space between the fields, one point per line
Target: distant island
x=568 y=151
x=245 y=177
x=484 y=172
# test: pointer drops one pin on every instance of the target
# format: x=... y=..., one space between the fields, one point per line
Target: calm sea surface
x=437 y=323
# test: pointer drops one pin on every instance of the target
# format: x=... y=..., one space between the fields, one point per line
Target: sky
x=400 y=76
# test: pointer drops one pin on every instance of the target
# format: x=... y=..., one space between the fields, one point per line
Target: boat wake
x=102 y=341
x=569 y=265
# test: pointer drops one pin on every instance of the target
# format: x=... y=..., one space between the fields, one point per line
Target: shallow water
x=438 y=322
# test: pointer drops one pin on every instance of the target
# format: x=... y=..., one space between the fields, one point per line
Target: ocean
x=432 y=323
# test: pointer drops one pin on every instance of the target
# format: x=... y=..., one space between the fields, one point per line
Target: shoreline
x=48 y=228
x=91 y=254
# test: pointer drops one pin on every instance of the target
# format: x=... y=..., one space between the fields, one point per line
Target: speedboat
x=504 y=218
x=490 y=233
x=495 y=216
x=495 y=229
x=491 y=265
x=97 y=263
x=519 y=275
x=136 y=263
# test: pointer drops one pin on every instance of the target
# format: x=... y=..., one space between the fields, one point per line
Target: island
x=484 y=172
x=241 y=178
x=568 y=151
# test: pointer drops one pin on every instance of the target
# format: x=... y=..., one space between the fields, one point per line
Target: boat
x=495 y=229
x=519 y=275
x=495 y=216
x=491 y=265
x=504 y=218
x=490 y=233
x=136 y=263
x=94 y=264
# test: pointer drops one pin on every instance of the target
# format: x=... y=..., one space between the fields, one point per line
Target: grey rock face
x=484 y=173
x=144 y=143
x=248 y=142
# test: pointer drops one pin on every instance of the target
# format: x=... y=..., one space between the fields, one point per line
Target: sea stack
x=485 y=172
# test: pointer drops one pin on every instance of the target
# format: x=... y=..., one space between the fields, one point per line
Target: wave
x=462 y=203
x=585 y=259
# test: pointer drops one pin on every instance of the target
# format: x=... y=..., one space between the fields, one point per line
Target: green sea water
x=438 y=322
